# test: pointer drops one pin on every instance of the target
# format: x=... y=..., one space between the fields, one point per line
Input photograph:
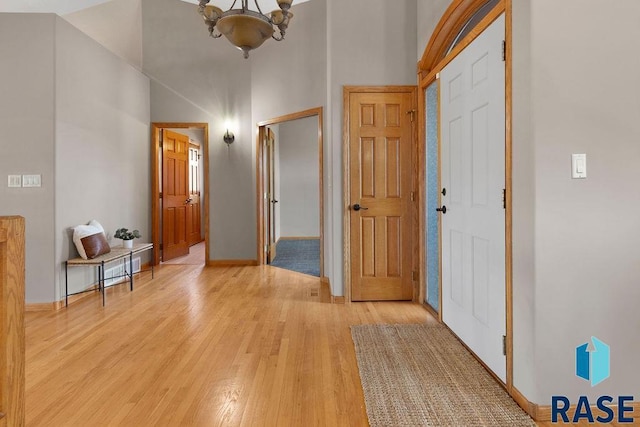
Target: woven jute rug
x=420 y=375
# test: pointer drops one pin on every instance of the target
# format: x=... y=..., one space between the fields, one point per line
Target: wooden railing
x=12 y=352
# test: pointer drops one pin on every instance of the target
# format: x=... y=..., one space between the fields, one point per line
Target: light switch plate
x=31 y=180
x=14 y=181
x=578 y=166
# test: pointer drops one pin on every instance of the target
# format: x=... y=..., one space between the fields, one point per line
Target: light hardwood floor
x=203 y=346
x=195 y=256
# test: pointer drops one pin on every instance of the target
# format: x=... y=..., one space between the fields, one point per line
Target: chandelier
x=246 y=29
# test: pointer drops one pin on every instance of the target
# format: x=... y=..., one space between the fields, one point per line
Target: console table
x=117 y=253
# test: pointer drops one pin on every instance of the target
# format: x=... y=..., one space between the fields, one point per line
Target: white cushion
x=96 y=224
x=81 y=231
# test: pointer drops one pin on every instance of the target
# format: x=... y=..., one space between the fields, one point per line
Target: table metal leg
x=66 y=284
x=101 y=284
x=131 y=271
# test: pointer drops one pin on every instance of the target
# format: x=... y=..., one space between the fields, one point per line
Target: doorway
x=180 y=199
x=472 y=117
x=290 y=189
x=465 y=168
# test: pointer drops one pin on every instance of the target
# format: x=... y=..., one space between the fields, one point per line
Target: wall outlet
x=15 y=181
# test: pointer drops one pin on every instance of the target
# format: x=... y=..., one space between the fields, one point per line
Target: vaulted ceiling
x=61 y=7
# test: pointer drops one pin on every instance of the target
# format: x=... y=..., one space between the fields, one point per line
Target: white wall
x=102 y=142
x=71 y=111
x=116 y=24
x=290 y=75
x=523 y=203
x=299 y=201
x=585 y=86
x=27 y=139
x=429 y=14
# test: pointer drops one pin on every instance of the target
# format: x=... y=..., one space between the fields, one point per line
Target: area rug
x=301 y=255
x=420 y=375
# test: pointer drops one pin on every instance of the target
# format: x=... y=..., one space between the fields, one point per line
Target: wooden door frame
x=318 y=111
x=156 y=168
x=346 y=170
x=434 y=59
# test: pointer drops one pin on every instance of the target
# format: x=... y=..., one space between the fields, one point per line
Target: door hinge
x=413 y=114
x=504 y=198
x=504 y=345
x=414 y=276
x=504 y=50
x=413 y=196
x=161 y=195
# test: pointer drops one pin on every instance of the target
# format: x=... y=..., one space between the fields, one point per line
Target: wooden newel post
x=12 y=343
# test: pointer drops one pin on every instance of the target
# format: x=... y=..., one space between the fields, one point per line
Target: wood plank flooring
x=202 y=346
x=195 y=256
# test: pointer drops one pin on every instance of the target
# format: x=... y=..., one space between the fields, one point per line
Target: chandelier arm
x=201 y=6
x=280 y=37
x=234 y=3
x=258 y=7
x=213 y=33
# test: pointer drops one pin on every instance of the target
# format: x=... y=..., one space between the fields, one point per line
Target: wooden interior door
x=175 y=194
x=194 y=217
x=271 y=195
x=380 y=146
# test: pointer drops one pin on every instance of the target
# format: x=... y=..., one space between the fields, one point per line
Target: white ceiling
x=61 y=7
x=265 y=5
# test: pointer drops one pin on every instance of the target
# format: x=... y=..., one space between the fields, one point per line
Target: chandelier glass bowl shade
x=246 y=29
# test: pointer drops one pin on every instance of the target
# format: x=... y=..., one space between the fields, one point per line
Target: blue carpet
x=302 y=256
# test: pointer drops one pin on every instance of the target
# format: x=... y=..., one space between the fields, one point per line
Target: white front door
x=473 y=174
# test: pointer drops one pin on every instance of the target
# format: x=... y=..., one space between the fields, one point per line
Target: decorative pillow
x=96 y=224
x=90 y=247
x=95 y=245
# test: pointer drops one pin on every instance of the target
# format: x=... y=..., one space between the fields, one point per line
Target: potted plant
x=127 y=236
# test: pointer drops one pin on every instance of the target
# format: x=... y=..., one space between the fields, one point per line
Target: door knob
x=443 y=209
x=357 y=207
x=274 y=201
x=188 y=201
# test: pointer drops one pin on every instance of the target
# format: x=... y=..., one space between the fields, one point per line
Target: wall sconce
x=229 y=137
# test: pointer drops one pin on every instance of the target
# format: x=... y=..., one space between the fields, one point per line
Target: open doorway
x=290 y=189
x=180 y=199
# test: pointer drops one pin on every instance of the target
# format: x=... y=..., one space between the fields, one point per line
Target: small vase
x=127 y=244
